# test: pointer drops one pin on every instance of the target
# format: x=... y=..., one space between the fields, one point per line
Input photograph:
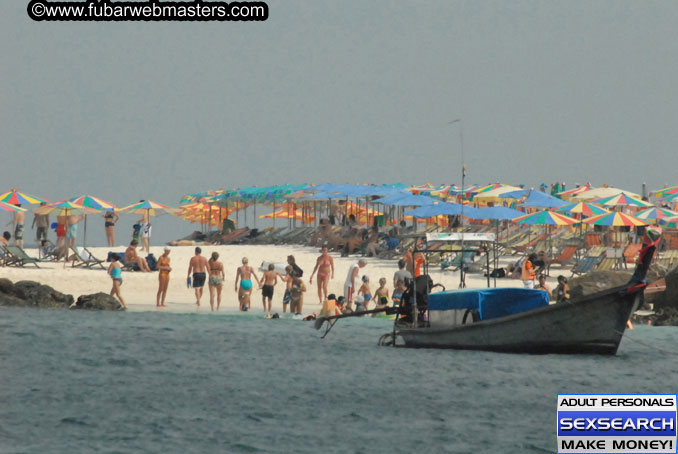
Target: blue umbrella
x=497 y=213
x=448 y=209
x=406 y=200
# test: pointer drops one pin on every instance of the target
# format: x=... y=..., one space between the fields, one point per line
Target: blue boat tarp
x=491 y=302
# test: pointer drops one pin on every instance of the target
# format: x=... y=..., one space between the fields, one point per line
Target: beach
x=139 y=289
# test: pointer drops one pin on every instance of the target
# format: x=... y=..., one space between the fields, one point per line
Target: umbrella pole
x=84 y=234
x=254 y=207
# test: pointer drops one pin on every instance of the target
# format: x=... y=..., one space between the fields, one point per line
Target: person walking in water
x=164 y=270
x=115 y=271
x=325 y=268
x=270 y=279
x=216 y=280
x=198 y=265
x=245 y=274
x=352 y=283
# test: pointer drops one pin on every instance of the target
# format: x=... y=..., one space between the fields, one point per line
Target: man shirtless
x=17 y=223
x=245 y=274
x=131 y=256
x=198 y=265
x=72 y=230
x=325 y=267
x=270 y=279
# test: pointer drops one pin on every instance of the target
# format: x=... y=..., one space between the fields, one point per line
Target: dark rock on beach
x=596 y=281
x=32 y=294
x=98 y=301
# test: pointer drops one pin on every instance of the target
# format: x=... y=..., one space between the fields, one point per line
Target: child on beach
x=364 y=295
x=398 y=292
x=115 y=271
x=297 y=296
x=287 y=279
x=381 y=295
x=269 y=280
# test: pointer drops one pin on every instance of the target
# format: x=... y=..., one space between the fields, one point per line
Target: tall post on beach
x=462 y=280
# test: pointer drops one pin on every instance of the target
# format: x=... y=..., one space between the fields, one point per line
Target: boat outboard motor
x=423 y=285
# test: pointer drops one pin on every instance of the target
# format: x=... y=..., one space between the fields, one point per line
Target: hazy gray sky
x=341 y=91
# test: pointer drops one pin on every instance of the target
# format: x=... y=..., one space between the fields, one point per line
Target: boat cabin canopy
x=490 y=302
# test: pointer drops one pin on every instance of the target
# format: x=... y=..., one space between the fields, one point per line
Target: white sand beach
x=139 y=289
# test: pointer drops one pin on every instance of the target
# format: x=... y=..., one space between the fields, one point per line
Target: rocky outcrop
x=98 y=301
x=32 y=294
x=596 y=281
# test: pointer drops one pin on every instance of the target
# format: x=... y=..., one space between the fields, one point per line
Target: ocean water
x=83 y=382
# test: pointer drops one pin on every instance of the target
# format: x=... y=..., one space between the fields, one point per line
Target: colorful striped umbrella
x=671 y=223
x=575 y=191
x=7 y=207
x=615 y=219
x=671 y=198
x=93 y=203
x=622 y=199
x=655 y=213
x=64 y=208
x=150 y=207
x=15 y=197
x=666 y=191
x=546 y=218
x=583 y=208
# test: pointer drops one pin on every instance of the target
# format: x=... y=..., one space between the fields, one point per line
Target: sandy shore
x=139 y=289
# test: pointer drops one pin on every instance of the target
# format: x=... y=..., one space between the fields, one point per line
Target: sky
x=341 y=91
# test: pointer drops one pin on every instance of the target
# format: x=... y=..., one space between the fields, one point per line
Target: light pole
x=462 y=280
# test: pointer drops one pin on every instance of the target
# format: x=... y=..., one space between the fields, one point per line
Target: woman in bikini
x=115 y=271
x=163 y=277
x=325 y=268
x=110 y=218
x=216 y=281
x=244 y=274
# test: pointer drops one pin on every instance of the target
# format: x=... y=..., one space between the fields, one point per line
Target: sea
x=146 y=382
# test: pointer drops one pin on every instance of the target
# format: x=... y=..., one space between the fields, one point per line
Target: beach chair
x=15 y=256
x=668 y=260
x=464 y=258
x=566 y=256
x=593 y=239
x=631 y=253
x=609 y=264
x=83 y=258
x=590 y=261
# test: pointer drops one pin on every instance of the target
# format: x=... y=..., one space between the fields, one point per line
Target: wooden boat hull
x=592 y=325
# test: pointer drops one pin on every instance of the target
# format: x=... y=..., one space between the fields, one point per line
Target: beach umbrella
x=622 y=199
x=615 y=219
x=493 y=194
x=95 y=204
x=574 y=192
x=545 y=218
x=583 y=208
x=599 y=193
x=15 y=197
x=671 y=198
x=63 y=208
x=671 y=223
x=12 y=208
x=534 y=198
x=666 y=191
x=655 y=213
x=150 y=207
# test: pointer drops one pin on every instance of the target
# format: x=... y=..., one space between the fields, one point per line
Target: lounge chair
x=631 y=253
x=15 y=256
x=668 y=260
x=593 y=239
x=566 y=256
x=456 y=263
x=83 y=258
x=590 y=261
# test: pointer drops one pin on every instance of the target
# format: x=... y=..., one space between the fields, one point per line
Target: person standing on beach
x=528 y=274
x=325 y=268
x=17 y=224
x=245 y=274
x=145 y=231
x=216 y=280
x=110 y=218
x=164 y=270
x=198 y=265
x=352 y=282
x=115 y=271
x=402 y=274
x=42 y=223
x=287 y=279
x=62 y=248
x=291 y=261
x=269 y=279
x=72 y=229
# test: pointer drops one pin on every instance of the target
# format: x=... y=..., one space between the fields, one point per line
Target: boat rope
x=670 y=352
